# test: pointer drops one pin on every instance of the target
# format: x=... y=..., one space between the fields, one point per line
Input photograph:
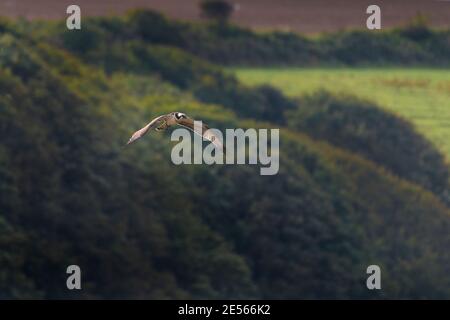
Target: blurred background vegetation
x=358 y=184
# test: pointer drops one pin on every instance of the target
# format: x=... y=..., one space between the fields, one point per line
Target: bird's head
x=180 y=115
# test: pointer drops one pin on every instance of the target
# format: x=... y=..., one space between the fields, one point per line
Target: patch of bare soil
x=306 y=16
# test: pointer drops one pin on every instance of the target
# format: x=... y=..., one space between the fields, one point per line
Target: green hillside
x=415 y=44
x=421 y=96
x=141 y=227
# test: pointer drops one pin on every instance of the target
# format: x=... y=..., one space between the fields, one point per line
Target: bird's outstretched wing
x=204 y=132
x=141 y=132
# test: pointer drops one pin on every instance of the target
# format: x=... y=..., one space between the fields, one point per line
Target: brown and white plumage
x=177 y=118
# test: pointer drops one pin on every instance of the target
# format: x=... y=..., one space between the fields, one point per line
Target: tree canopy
x=141 y=227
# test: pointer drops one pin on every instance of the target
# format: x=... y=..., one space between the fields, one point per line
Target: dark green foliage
x=155 y=28
x=227 y=44
x=207 y=82
x=231 y=45
x=14 y=283
x=140 y=227
x=384 y=138
x=362 y=48
x=417 y=29
x=4 y=25
x=219 y=10
x=77 y=201
x=409 y=46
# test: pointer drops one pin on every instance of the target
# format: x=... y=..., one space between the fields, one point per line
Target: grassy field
x=419 y=95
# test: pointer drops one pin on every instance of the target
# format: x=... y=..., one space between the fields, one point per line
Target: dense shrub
x=362 y=48
x=207 y=82
x=219 y=10
x=155 y=28
x=364 y=128
x=140 y=227
x=414 y=44
x=417 y=29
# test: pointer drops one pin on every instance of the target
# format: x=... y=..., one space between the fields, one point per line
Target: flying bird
x=178 y=118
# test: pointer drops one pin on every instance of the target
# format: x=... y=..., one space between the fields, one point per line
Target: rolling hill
x=141 y=227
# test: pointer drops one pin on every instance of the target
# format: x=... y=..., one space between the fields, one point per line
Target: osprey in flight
x=177 y=118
